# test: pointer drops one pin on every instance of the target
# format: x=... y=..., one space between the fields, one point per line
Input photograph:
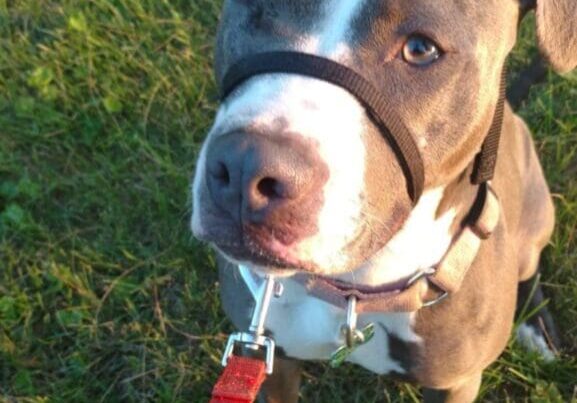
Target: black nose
x=255 y=177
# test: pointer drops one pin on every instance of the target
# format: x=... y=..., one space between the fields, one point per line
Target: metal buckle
x=252 y=341
x=255 y=338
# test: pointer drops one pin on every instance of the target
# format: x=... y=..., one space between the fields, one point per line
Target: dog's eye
x=420 y=51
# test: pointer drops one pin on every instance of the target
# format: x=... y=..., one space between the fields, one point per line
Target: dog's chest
x=308 y=328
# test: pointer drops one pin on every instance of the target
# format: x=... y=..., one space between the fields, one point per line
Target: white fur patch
x=533 y=341
x=336 y=30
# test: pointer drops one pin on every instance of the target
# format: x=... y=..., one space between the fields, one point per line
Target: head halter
x=391 y=126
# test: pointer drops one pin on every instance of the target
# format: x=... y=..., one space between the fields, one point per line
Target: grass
x=104 y=295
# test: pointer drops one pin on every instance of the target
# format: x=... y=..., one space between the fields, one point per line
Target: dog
x=301 y=178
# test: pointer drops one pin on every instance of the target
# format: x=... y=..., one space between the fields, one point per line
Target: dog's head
x=294 y=174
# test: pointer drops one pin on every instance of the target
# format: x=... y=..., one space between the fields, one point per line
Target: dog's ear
x=557 y=32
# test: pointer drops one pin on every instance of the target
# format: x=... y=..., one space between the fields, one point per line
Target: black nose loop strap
x=392 y=128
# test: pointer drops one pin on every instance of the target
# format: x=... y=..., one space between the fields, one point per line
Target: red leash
x=240 y=381
x=243 y=376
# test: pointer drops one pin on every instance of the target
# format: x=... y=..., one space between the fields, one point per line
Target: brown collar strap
x=429 y=286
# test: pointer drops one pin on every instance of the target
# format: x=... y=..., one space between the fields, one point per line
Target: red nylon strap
x=240 y=381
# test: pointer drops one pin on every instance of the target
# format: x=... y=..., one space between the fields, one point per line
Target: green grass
x=104 y=294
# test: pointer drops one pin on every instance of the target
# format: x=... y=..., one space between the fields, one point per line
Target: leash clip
x=255 y=338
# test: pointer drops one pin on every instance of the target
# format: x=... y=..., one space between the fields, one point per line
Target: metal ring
x=435 y=301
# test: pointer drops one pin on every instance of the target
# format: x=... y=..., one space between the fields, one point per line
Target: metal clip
x=353 y=336
x=255 y=338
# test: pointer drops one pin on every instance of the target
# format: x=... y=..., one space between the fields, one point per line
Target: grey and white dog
x=295 y=178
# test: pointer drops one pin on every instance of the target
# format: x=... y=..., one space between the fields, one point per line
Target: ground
x=104 y=294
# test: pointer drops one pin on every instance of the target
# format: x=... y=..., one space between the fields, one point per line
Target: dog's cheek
x=385 y=200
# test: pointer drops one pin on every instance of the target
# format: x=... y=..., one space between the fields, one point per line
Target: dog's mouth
x=269 y=255
x=266 y=253
x=264 y=259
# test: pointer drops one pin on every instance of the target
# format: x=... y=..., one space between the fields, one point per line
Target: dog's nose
x=253 y=176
